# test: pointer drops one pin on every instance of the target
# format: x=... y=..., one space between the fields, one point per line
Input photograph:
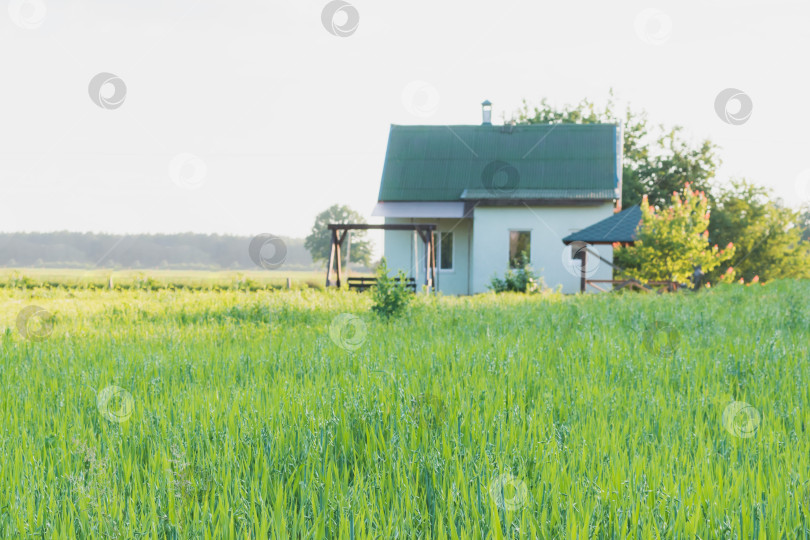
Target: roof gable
x=440 y=163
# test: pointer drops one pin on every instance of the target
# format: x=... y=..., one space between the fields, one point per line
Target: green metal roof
x=619 y=227
x=451 y=163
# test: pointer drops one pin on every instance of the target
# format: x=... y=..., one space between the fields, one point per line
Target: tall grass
x=152 y=279
x=493 y=416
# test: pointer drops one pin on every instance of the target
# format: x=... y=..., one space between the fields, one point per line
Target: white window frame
x=452 y=255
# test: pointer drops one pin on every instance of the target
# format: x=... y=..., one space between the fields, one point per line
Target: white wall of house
x=399 y=252
x=481 y=246
x=548 y=225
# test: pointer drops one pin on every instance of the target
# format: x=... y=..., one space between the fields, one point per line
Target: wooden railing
x=630 y=283
x=650 y=286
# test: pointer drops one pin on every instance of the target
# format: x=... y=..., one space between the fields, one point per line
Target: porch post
x=426 y=238
x=337 y=257
x=433 y=258
x=583 y=269
x=415 y=257
x=331 y=258
x=348 y=250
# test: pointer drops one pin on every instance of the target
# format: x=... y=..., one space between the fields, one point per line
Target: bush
x=521 y=279
x=391 y=297
x=672 y=241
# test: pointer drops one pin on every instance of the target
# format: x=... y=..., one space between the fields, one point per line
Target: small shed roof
x=619 y=227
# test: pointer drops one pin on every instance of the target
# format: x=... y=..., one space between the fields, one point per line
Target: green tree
x=767 y=235
x=657 y=160
x=672 y=241
x=319 y=240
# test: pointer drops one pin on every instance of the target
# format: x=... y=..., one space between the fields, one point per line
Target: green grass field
x=150 y=278
x=299 y=414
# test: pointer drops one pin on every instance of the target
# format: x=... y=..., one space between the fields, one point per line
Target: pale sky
x=276 y=118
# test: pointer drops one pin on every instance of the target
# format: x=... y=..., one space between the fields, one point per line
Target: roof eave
x=567 y=241
x=538 y=202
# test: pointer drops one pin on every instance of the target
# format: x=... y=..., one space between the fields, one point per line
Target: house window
x=519 y=243
x=446 y=251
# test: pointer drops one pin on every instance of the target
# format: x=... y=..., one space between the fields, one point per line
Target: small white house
x=496 y=191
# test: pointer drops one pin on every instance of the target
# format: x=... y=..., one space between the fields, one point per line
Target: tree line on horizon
x=184 y=251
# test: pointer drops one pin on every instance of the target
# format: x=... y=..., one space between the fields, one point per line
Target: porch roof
x=621 y=227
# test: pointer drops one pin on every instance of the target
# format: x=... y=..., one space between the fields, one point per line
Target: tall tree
x=319 y=240
x=657 y=160
x=768 y=236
